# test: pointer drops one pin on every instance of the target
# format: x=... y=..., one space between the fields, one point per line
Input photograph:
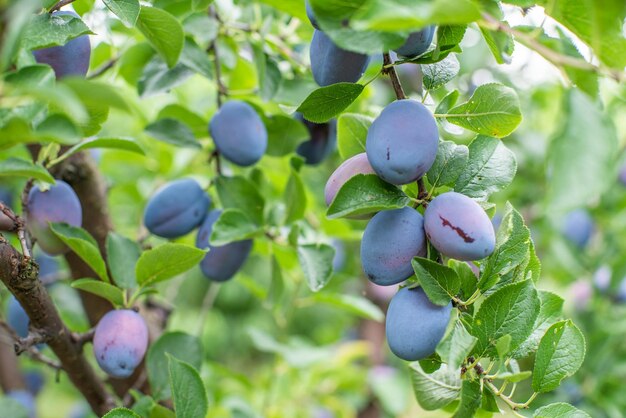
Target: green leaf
x=571 y=149
x=512 y=245
x=166 y=261
x=352 y=133
x=500 y=43
x=561 y=353
x=233 y=225
x=356 y=305
x=515 y=377
x=316 y=261
x=188 y=392
x=126 y=10
x=447 y=102
x=436 y=390
x=178 y=344
x=46 y=30
x=437 y=74
x=493 y=110
x=503 y=346
x=113 y=294
x=239 y=193
x=122 y=256
x=84 y=245
x=120 y=143
x=327 y=102
x=511 y=310
x=277 y=285
x=449 y=164
x=157 y=77
x=471 y=397
x=173 y=132
x=549 y=313
x=440 y=283
x=456 y=345
x=121 y=413
x=366 y=193
x=23 y=168
x=295 y=198
x=96 y=93
x=448 y=39
x=163 y=32
x=58 y=128
x=560 y=410
x=284 y=133
x=196 y=59
x=491 y=167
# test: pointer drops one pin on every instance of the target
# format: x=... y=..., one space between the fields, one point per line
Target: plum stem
x=395 y=81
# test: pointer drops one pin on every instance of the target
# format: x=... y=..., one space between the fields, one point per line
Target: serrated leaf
x=188 y=392
x=447 y=102
x=436 y=390
x=166 y=261
x=178 y=344
x=327 y=102
x=173 y=132
x=46 y=30
x=126 y=10
x=493 y=110
x=295 y=198
x=233 y=225
x=23 y=168
x=121 y=413
x=84 y=245
x=352 y=133
x=239 y=193
x=561 y=353
x=122 y=256
x=440 y=283
x=125 y=144
x=356 y=305
x=511 y=310
x=471 y=396
x=316 y=261
x=491 y=167
x=549 y=313
x=560 y=410
x=164 y=33
x=113 y=294
x=284 y=134
x=438 y=74
x=366 y=193
x=456 y=346
x=449 y=163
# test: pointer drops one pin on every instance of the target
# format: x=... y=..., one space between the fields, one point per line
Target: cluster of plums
x=401 y=146
x=331 y=64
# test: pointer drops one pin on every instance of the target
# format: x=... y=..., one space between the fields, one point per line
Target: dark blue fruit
x=25 y=399
x=120 y=342
x=415 y=325
x=57 y=204
x=310 y=14
x=417 y=43
x=402 y=142
x=459 y=228
x=391 y=239
x=69 y=59
x=17 y=318
x=577 y=227
x=176 y=208
x=239 y=133
x=321 y=143
x=48 y=268
x=221 y=262
x=331 y=64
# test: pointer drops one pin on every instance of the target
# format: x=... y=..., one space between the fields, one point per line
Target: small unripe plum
x=25 y=399
x=48 y=268
x=321 y=143
x=339 y=260
x=221 y=263
x=71 y=59
x=17 y=318
x=120 y=342
x=239 y=133
x=577 y=227
x=402 y=142
x=331 y=64
x=458 y=227
x=354 y=165
x=417 y=43
x=415 y=325
x=176 y=208
x=310 y=14
x=602 y=278
x=57 y=204
x=390 y=241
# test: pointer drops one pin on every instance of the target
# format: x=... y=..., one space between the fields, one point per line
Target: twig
x=28 y=345
x=59 y=5
x=209 y=300
x=19 y=227
x=84 y=338
x=395 y=81
x=103 y=68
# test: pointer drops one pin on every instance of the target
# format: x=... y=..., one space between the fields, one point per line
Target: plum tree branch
x=59 y=5
x=388 y=68
x=20 y=276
